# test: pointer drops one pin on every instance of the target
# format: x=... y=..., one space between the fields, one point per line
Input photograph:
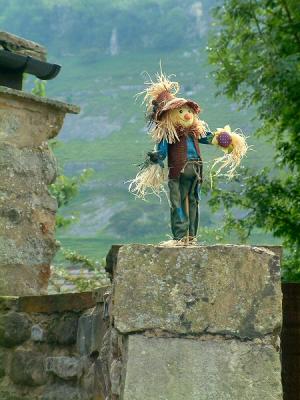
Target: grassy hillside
x=110 y=136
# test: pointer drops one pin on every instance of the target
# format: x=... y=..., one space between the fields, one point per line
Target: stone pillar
x=27 y=210
x=194 y=323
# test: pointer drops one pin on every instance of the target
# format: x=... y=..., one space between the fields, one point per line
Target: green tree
x=255 y=52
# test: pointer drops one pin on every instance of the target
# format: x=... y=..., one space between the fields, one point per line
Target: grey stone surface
x=64 y=367
x=63 y=330
x=19 y=279
x=90 y=332
x=3 y=362
x=27 y=368
x=37 y=334
x=27 y=97
x=35 y=165
x=9 y=393
x=226 y=289
x=90 y=380
x=14 y=329
x=33 y=251
x=182 y=369
x=115 y=376
x=31 y=366
x=65 y=392
x=27 y=210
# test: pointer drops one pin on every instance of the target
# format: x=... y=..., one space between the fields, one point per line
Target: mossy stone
x=14 y=329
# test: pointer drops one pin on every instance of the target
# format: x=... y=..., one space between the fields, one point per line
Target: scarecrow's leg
x=179 y=217
x=194 y=208
x=187 y=210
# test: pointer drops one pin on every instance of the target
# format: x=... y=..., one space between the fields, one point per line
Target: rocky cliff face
x=196 y=323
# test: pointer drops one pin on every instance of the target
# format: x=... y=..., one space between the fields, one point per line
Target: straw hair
x=156 y=89
x=164 y=129
x=167 y=128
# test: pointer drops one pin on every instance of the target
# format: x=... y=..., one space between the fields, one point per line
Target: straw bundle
x=233 y=155
x=149 y=180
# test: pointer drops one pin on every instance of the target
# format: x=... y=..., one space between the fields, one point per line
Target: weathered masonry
x=184 y=323
x=27 y=167
x=196 y=323
x=49 y=346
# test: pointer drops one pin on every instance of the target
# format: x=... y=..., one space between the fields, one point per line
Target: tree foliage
x=255 y=52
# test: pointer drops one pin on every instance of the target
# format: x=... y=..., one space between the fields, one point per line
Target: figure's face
x=183 y=116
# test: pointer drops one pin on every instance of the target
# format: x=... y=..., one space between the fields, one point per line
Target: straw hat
x=166 y=101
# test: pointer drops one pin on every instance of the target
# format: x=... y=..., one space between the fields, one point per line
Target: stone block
x=64 y=367
x=14 y=329
x=27 y=167
x=34 y=165
x=61 y=302
x=33 y=250
x=91 y=329
x=186 y=369
x=221 y=289
x=37 y=333
x=17 y=279
x=63 y=330
x=29 y=121
x=64 y=392
x=27 y=368
x=8 y=303
x=3 y=362
x=9 y=393
x=91 y=381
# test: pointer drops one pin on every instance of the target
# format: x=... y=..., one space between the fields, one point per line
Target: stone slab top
x=19 y=95
x=232 y=290
x=22 y=46
x=53 y=303
x=112 y=255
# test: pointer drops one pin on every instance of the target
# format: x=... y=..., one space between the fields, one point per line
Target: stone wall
x=50 y=347
x=27 y=210
x=194 y=323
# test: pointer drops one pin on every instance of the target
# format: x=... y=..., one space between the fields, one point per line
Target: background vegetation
x=68 y=26
x=101 y=72
x=256 y=55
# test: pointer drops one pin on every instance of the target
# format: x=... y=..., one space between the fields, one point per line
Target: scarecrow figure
x=177 y=131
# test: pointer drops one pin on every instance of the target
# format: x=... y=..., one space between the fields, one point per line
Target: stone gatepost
x=27 y=168
x=194 y=323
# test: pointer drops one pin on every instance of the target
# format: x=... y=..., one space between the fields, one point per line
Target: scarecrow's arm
x=159 y=154
x=162 y=149
x=207 y=139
